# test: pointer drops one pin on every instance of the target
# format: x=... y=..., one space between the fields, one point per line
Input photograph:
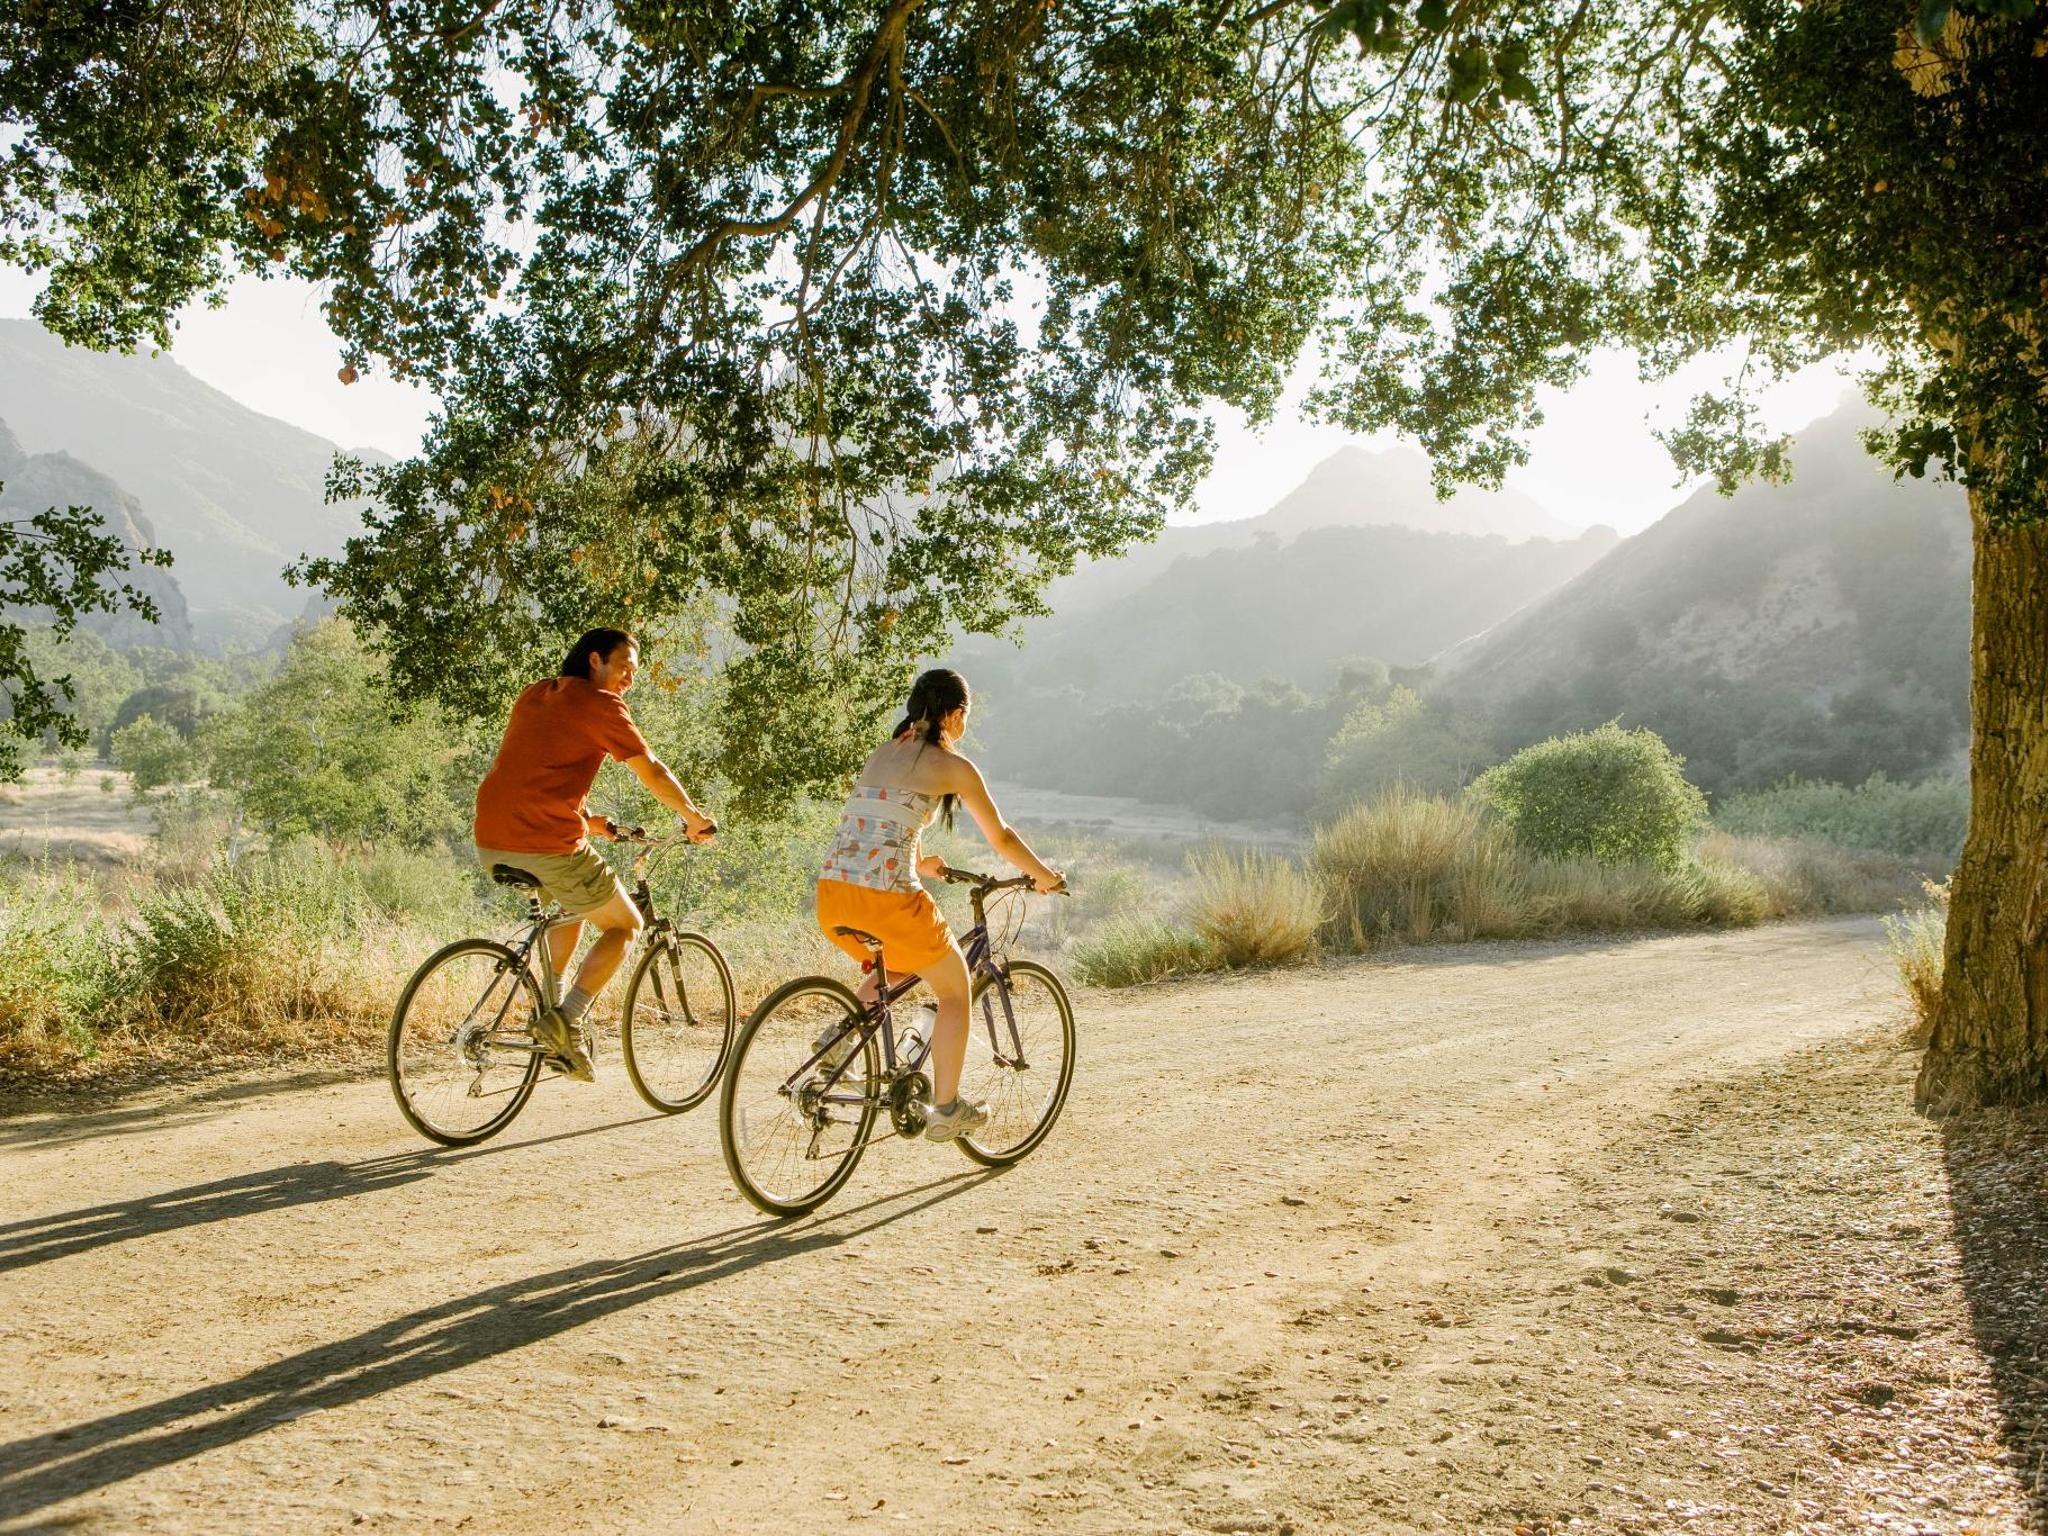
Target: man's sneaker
x=962 y=1118
x=557 y=1037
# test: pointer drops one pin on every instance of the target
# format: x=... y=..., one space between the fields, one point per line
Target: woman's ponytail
x=935 y=695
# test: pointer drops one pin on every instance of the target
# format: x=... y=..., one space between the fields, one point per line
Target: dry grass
x=1802 y=877
x=1414 y=868
x=1254 y=908
x=1129 y=952
x=1917 y=941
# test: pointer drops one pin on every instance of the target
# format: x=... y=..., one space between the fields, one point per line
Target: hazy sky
x=1593 y=461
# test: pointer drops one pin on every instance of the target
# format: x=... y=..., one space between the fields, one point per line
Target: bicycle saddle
x=505 y=874
x=858 y=937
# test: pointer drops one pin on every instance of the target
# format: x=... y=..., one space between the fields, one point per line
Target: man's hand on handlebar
x=700 y=829
x=1051 y=883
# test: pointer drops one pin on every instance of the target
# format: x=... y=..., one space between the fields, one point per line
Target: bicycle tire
x=783 y=1027
x=999 y=1148
x=414 y=1091
x=657 y=1085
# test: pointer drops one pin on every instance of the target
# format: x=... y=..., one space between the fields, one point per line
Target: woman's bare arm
x=1004 y=838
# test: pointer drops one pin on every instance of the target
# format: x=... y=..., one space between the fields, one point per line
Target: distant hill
x=32 y=483
x=1352 y=488
x=1356 y=488
x=1820 y=627
x=1287 y=609
x=235 y=495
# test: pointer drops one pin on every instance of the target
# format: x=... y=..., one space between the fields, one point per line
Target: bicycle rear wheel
x=461 y=1055
x=1023 y=1079
x=792 y=1134
x=678 y=1025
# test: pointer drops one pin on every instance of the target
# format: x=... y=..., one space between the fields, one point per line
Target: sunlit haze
x=1595 y=459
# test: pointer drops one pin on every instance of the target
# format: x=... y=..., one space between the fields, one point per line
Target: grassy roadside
x=1409 y=869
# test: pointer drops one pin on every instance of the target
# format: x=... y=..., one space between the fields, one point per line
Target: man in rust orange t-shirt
x=530 y=814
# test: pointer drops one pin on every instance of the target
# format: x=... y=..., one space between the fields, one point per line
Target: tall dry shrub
x=1917 y=941
x=1410 y=867
x=1253 y=908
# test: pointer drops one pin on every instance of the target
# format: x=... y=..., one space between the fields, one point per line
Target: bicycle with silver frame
x=462 y=1056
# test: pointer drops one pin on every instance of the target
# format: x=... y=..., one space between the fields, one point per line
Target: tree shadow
x=57 y=1119
x=1998 y=1188
x=39 y=1239
x=42 y=1470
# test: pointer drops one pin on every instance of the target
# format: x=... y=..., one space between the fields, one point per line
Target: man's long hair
x=593 y=643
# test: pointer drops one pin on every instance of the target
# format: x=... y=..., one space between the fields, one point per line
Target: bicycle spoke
x=678 y=1021
x=789 y=1138
x=458 y=1064
x=1019 y=1062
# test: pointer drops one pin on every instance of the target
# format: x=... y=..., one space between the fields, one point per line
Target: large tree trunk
x=1990 y=1041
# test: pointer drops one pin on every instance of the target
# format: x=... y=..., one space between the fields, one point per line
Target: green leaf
x=1471 y=73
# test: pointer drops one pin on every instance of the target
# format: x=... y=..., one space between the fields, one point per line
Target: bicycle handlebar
x=641 y=836
x=989 y=883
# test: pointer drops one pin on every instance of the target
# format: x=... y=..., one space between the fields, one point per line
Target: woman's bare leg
x=948 y=981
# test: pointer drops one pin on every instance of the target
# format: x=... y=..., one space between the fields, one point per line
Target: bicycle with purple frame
x=814 y=1068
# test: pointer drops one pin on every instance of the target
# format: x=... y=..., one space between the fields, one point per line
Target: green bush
x=1924 y=821
x=1614 y=796
x=153 y=754
x=56 y=966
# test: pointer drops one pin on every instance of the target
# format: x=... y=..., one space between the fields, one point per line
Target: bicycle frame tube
x=878 y=1016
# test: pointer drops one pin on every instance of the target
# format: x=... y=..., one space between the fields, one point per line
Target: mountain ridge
x=1825 y=621
x=234 y=494
x=33 y=483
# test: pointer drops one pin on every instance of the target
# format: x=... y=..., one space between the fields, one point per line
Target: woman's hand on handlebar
x=1050 y=883
x=700 y=829
x=932 y=867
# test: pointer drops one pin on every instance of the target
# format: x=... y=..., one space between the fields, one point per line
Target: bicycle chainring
x=907 y=1098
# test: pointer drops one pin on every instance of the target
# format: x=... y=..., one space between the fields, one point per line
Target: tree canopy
x=870 y=319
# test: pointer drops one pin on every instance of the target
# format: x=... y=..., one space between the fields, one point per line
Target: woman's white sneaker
x=956 y=1119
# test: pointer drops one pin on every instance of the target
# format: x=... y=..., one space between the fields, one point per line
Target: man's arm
x=668 y=789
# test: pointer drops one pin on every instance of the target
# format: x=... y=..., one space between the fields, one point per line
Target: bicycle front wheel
x=678 y=1023
x=792 y=1132
x=461 y=1054
x=1020 y=1061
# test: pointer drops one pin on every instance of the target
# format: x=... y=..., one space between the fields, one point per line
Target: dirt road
x=1413 y=1244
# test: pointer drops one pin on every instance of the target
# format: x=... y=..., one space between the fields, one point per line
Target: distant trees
x=324 y=748
x=56 y=567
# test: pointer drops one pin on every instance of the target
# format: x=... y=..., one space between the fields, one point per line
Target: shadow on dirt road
x=2001 y=1222
x=43 y=1238
x=44 y=1469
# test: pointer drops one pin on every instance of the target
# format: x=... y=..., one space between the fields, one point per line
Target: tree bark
x=1990 y=1039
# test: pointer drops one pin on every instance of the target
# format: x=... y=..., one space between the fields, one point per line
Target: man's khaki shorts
x=579 y=882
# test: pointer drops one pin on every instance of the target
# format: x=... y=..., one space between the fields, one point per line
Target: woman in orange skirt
x=870 y=879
